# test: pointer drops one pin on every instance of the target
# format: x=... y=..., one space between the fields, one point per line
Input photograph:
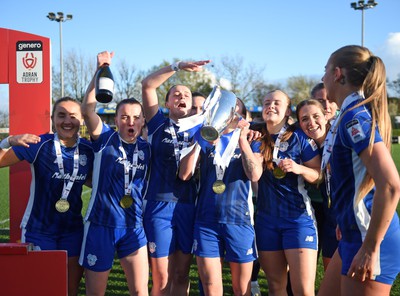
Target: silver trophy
x=220 y=110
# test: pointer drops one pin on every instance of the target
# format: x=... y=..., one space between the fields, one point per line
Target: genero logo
x=29 y=62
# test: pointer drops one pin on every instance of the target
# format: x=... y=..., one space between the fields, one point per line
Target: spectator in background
x=61 y=163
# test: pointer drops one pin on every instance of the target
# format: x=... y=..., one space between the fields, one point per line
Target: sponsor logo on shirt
x=121 y=160
x=67 y=176
x=355 y=131
x=313 y=144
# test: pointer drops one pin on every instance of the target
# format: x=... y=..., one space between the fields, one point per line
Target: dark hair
x=63 y=99
x=316 y=88
x=308 y=102
x=198 y=94
x=244 y=113
x=170 y=90
x=130 y=101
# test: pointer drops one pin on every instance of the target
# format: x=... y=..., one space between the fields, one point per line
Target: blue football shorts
x=388 y=265
x=169 y=227
x=235 y=243
x=100 y=244
x=282 y=233
x=71 y=242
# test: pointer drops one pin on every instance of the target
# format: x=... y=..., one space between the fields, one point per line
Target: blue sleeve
x=309 y=148
x=29 y=153
x=155 y=122
x=355 y=130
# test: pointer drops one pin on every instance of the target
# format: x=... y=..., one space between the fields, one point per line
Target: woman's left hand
x=289 y=166
x=363 y=265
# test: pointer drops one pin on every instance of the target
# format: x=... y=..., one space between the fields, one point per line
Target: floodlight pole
x=60 y=19
x=361 y=5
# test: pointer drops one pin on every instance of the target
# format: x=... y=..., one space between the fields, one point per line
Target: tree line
x=246 y=81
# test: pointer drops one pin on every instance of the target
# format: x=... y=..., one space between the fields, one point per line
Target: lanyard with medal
x=62 y=205
x=221 y=162
x=329 y=142
x=278 y=172
x=177 y=151
x=127 y=200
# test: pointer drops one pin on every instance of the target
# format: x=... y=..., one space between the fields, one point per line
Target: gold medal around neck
x=278 y=173
x=62 y=205
x=329 y=202
x=126 y=201
x=218 y=187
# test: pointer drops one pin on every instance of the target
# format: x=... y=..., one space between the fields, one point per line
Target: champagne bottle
x=104 y=86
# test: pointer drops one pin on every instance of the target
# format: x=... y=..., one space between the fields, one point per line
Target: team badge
x=283 y=146
x=82 y=160
x=91 y=259
x=152 y=247
x=141 y=155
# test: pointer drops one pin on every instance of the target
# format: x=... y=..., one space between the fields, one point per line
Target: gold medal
x=62 y=205
x=329 y=202
x=278 y=173
x=126 y=201
x=218 y=187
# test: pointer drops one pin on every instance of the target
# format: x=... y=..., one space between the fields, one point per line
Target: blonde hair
x=366 y=71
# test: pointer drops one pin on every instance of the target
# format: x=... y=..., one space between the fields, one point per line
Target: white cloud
x=390 y=54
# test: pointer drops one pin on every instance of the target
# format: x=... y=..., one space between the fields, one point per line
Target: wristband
x=5 y=143
x=175 y=66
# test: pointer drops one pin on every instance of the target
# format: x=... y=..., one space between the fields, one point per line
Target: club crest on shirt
x=283 y=146
x=82 y=159
x=355 y=131
x=141 y=155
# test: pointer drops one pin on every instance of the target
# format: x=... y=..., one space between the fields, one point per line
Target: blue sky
x=287 y=38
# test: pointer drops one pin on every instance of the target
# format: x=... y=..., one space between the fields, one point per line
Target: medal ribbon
x=177 y=151
x=67 y=187
x=275 y=158
x=331 y=137
x=227 y=146
x=127 y=184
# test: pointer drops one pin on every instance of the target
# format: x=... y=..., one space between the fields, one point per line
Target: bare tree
x=128 y=81
x=244 y=81
x=56 y=88
x=79 y=70
x=395 y=86
x=4 y=118
x=262 y=89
